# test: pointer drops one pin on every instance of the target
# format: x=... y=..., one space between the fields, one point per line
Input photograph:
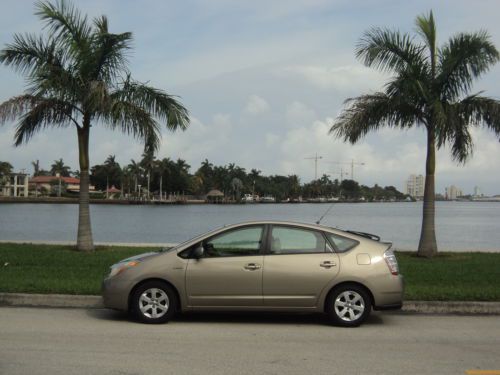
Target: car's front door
x=298 y=265
x=230 y=271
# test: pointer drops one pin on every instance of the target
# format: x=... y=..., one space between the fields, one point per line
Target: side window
x=342 y=244
x=239 y=242
x=286 y=240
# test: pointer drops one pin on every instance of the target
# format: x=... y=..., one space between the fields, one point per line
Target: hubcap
x=154 y=303
x=349 y=306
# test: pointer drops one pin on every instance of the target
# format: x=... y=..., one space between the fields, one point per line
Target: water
x=460 y=225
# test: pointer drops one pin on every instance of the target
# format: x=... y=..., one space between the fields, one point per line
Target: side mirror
x=198 y=251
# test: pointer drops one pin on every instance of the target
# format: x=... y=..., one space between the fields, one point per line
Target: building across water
x=414 y=186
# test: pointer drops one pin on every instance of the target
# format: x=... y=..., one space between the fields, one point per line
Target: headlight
x=120 y=267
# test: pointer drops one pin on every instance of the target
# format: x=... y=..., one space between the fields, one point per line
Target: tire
x=348 y=305
x=153 y=302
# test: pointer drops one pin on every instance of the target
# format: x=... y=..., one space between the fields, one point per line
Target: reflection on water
x=460 y=225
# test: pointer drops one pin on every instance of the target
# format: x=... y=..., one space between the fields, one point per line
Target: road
x=77 y=341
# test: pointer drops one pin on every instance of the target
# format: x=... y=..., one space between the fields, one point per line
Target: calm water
x=460 y=225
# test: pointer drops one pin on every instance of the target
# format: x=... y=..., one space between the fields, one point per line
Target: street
x=79 y=341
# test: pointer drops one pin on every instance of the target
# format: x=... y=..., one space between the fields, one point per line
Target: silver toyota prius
x=261 y=266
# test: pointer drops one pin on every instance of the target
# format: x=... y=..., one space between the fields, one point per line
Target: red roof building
x=72 y=183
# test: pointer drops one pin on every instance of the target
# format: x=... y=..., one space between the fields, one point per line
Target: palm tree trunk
x=84 y=240
x=427 y=246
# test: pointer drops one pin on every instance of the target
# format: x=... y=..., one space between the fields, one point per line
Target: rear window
x=342 y=244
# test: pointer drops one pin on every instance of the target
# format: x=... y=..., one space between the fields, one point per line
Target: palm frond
x=45 y=113
x=426 y=28
x=390 y=51
x=109 y=53
x=370 y=112
x=28 y=53
x=474 y=110
x=65 y=22
x=462 y=59
x=15 y=107
x=133 y=120
x=156 y=102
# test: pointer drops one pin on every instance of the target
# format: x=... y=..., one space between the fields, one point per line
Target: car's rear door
x=230 y=272
x=298 y=264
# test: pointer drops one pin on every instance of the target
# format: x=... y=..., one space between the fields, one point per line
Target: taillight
x=391 y=261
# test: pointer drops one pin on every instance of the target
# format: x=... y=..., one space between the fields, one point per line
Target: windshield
x=194 y=239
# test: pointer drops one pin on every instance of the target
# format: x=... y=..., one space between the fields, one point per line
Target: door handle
x=252 y=266
x=327 y=264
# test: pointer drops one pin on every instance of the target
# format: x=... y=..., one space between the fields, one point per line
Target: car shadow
x=234 y=317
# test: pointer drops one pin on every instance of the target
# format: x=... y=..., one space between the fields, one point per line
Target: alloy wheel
x=349 y=306
x=154 y=303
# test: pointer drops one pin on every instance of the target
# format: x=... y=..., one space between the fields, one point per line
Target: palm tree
x=136 y=171
x=36 y=167
x=430 y=88
x=5 y=168
x=77 y=77
x=61 y=168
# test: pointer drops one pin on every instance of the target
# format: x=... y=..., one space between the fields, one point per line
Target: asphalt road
x=77 y=341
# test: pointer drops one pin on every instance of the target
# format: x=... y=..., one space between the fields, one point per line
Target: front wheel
x=348 y=305
x=153 y=302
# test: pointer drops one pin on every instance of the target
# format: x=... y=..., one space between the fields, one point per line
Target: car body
x=261 y=266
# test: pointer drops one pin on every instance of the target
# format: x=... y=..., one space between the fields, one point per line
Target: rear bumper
x=389 y=294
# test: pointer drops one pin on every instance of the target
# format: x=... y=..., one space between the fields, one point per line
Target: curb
x=95 y=302
x=51 y=300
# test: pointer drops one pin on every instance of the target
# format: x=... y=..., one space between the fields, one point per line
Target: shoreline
x=126 y=202
x=173 y=244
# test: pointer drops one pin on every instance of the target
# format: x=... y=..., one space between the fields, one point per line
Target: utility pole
x=315 y=158
x=352 y=163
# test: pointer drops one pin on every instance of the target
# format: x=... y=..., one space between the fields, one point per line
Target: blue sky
x=263 y=81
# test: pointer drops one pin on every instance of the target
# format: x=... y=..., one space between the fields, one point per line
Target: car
x=261 y=266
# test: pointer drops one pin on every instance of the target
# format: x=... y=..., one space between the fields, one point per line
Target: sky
x=263 y=82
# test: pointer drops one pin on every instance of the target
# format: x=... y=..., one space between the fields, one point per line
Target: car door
x=298 y=264
x=230 y=271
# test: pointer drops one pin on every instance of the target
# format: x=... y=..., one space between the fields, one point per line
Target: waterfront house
x=72 y=184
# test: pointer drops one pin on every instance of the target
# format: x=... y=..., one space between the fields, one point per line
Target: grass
x=451 y=276
x=28 y=268
x=60 y=269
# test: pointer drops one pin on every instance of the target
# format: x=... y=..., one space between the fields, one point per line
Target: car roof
x=282 y=222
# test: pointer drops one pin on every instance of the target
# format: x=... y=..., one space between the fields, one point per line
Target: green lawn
x=60 y=269
x=452 y=277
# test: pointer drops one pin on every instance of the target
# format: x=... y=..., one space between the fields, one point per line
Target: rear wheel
x=348 y=305
x=154 y=302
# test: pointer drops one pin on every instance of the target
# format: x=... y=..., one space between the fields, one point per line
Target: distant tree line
x=150 y=176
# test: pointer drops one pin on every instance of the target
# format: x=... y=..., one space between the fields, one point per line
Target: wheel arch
x=344 y=283
x=158 y=279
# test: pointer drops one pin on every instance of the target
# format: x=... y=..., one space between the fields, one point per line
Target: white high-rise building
x=452 y=192
x=414 y=186
x=477 y=191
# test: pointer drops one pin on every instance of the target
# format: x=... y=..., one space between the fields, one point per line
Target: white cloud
x=298 y=113
x=340 y=78
x=272 y=140
x=256 y=105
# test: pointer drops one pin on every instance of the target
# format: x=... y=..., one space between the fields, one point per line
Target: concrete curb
x=95 y=302
x=50 y=300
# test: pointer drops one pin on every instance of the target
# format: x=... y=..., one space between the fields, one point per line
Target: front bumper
x=115 y=294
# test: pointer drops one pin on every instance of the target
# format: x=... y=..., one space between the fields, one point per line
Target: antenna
x=315 y=158
x=326 y=212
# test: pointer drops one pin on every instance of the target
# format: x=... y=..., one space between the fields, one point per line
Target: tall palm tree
x=36 y=167
x=61 y=168
x=430 y=88
x=136 y=171
x=77 y=77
